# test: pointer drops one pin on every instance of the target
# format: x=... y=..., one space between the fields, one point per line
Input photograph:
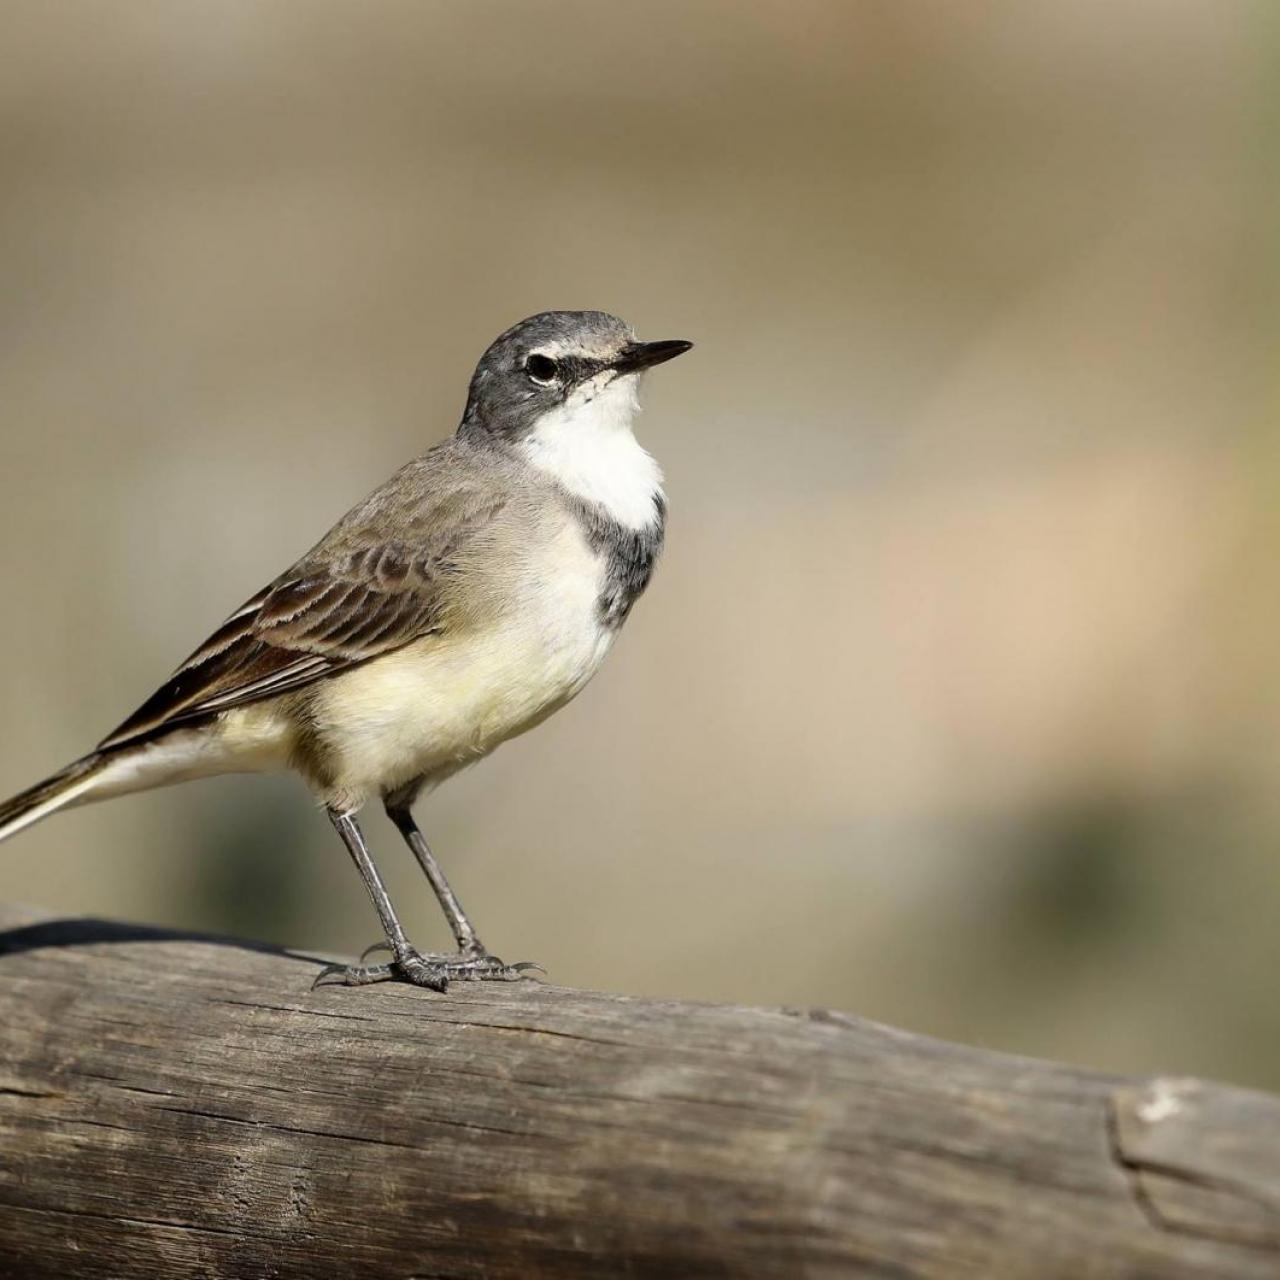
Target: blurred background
x=956 y=700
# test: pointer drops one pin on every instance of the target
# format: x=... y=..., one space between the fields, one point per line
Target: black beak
x=644 y=355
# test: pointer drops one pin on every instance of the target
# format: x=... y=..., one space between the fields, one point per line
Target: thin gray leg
x=397 y=942
x=463 y=932
x=435 y=971
x=346 y=827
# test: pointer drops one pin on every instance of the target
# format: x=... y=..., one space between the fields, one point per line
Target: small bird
x=461 y=603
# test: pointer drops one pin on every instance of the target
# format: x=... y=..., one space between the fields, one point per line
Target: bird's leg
x=471 y=961
x=409 y=964
x=345 y=825
x=463 y=932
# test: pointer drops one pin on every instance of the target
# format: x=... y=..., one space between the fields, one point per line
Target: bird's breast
x=447 y=699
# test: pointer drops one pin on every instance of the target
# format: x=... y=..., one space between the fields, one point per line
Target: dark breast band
x=630 y=556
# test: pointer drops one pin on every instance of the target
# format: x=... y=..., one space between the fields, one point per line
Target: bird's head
x=577 y=369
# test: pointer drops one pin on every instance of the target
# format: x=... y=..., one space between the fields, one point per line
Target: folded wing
x=354 y=597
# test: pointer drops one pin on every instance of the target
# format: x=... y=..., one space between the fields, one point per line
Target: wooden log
x=174 y=1106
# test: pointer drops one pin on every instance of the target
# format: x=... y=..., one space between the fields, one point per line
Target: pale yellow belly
x=433 y=707
x=445 y=701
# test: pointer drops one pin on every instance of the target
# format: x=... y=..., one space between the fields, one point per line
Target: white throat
x=588 y=446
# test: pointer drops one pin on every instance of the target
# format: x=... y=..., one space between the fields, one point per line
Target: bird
x=464 y=601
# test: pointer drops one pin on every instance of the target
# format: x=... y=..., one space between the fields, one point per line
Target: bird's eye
x=541 y=369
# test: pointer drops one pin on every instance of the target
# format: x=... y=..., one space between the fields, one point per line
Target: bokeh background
x=956 y=701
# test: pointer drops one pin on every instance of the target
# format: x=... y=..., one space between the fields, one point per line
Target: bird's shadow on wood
x=88 y=931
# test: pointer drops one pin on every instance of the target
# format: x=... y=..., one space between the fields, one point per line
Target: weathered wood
x=176 y=1107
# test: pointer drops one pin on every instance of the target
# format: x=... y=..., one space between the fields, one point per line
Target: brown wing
x=354 y=597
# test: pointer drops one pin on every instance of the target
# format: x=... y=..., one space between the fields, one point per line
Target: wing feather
x=355 y=596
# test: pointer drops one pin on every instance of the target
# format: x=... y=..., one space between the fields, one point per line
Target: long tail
x=49 y=796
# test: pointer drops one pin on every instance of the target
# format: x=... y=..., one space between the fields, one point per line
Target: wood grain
x=182 y=1107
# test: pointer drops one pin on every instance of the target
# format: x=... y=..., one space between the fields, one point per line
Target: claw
x=372 y=947
x=354 y=975
x=327 y=972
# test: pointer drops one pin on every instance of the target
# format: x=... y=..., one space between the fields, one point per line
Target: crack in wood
x=1137 y=1170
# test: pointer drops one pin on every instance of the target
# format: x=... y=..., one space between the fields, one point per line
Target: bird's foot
x=428 y=969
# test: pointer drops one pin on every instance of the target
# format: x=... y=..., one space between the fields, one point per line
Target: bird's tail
x=49 y=796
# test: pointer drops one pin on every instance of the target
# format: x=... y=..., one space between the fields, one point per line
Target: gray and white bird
x=473 y=594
